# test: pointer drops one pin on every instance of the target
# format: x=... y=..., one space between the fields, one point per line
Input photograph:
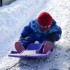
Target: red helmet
x=45 y=20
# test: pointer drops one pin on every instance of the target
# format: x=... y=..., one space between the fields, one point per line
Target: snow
x=15 y=16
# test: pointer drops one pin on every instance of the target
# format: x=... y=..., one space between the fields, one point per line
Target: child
x=42 y=29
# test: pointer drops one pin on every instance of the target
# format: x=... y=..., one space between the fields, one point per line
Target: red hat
x=45 y=20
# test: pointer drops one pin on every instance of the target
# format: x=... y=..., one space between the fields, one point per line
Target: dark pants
x=31 y=39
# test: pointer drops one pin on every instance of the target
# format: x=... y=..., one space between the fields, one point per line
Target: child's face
x=45 y=27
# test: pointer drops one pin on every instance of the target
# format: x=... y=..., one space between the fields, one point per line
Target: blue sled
x=30 y=52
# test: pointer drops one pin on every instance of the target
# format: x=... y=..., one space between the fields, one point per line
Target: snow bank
x=13 y=18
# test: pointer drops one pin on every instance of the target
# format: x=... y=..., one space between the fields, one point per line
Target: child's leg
x=47 y=46
x=23 y=43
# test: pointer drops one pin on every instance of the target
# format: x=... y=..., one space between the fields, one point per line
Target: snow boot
x=47 y=46
x=19 y=47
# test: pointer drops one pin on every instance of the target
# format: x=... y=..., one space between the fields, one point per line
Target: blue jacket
x=53 y=34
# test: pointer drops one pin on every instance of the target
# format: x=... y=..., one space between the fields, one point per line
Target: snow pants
x=31 y=39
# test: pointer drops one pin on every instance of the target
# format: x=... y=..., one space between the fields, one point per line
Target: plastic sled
x=30 y=52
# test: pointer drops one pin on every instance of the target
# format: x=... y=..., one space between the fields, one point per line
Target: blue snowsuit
x=32 y=33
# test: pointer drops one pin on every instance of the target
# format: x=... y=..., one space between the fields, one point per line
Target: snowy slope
x=12 y=20
x=12 y=16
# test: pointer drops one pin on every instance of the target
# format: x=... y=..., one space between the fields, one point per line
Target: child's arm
x=26 y=31
x=55 y=36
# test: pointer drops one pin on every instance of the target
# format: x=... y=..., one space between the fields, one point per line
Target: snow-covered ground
x=12 y=20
